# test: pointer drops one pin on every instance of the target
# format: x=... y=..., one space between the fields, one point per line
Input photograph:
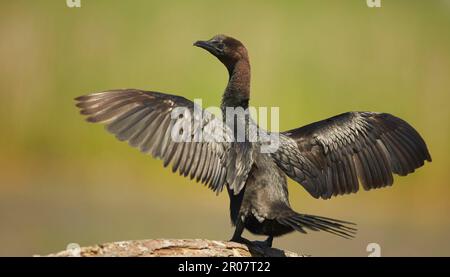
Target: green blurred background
x=63 y=180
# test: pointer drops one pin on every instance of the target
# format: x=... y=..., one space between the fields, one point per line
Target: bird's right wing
x=203 y=148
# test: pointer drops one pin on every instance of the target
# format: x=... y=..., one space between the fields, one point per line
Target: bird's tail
x=303 y=222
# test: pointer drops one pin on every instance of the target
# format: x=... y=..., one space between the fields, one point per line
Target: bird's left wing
x=331 y=157
x=146 y=120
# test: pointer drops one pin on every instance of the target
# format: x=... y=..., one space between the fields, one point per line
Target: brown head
x=227 y=49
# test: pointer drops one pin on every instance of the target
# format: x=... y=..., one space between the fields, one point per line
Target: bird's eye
x=220 y=46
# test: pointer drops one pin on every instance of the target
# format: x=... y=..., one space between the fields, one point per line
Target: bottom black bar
x=208 y=266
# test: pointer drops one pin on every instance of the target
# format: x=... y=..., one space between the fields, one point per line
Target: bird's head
x=227 y=49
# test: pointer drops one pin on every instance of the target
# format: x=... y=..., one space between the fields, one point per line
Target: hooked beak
x=208 y=46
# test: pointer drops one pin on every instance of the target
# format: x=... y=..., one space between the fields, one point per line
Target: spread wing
x=145 y=119
x=348 y=149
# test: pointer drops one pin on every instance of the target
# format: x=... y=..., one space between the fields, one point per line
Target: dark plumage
x=328 y=158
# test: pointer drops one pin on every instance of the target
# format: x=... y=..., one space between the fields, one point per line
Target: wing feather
x=144 y=119
x=340 y=153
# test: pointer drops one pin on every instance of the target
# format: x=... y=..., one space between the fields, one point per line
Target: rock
x=173 y=248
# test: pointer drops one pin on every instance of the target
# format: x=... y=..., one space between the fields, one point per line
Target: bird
x=328 y=158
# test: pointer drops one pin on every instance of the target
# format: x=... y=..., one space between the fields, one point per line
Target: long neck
x=237 y=93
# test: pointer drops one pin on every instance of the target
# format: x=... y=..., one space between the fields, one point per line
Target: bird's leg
x=269 y=241
x=237 y=236
x=263 y=244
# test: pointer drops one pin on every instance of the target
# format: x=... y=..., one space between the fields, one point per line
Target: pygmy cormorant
x=328 y=158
